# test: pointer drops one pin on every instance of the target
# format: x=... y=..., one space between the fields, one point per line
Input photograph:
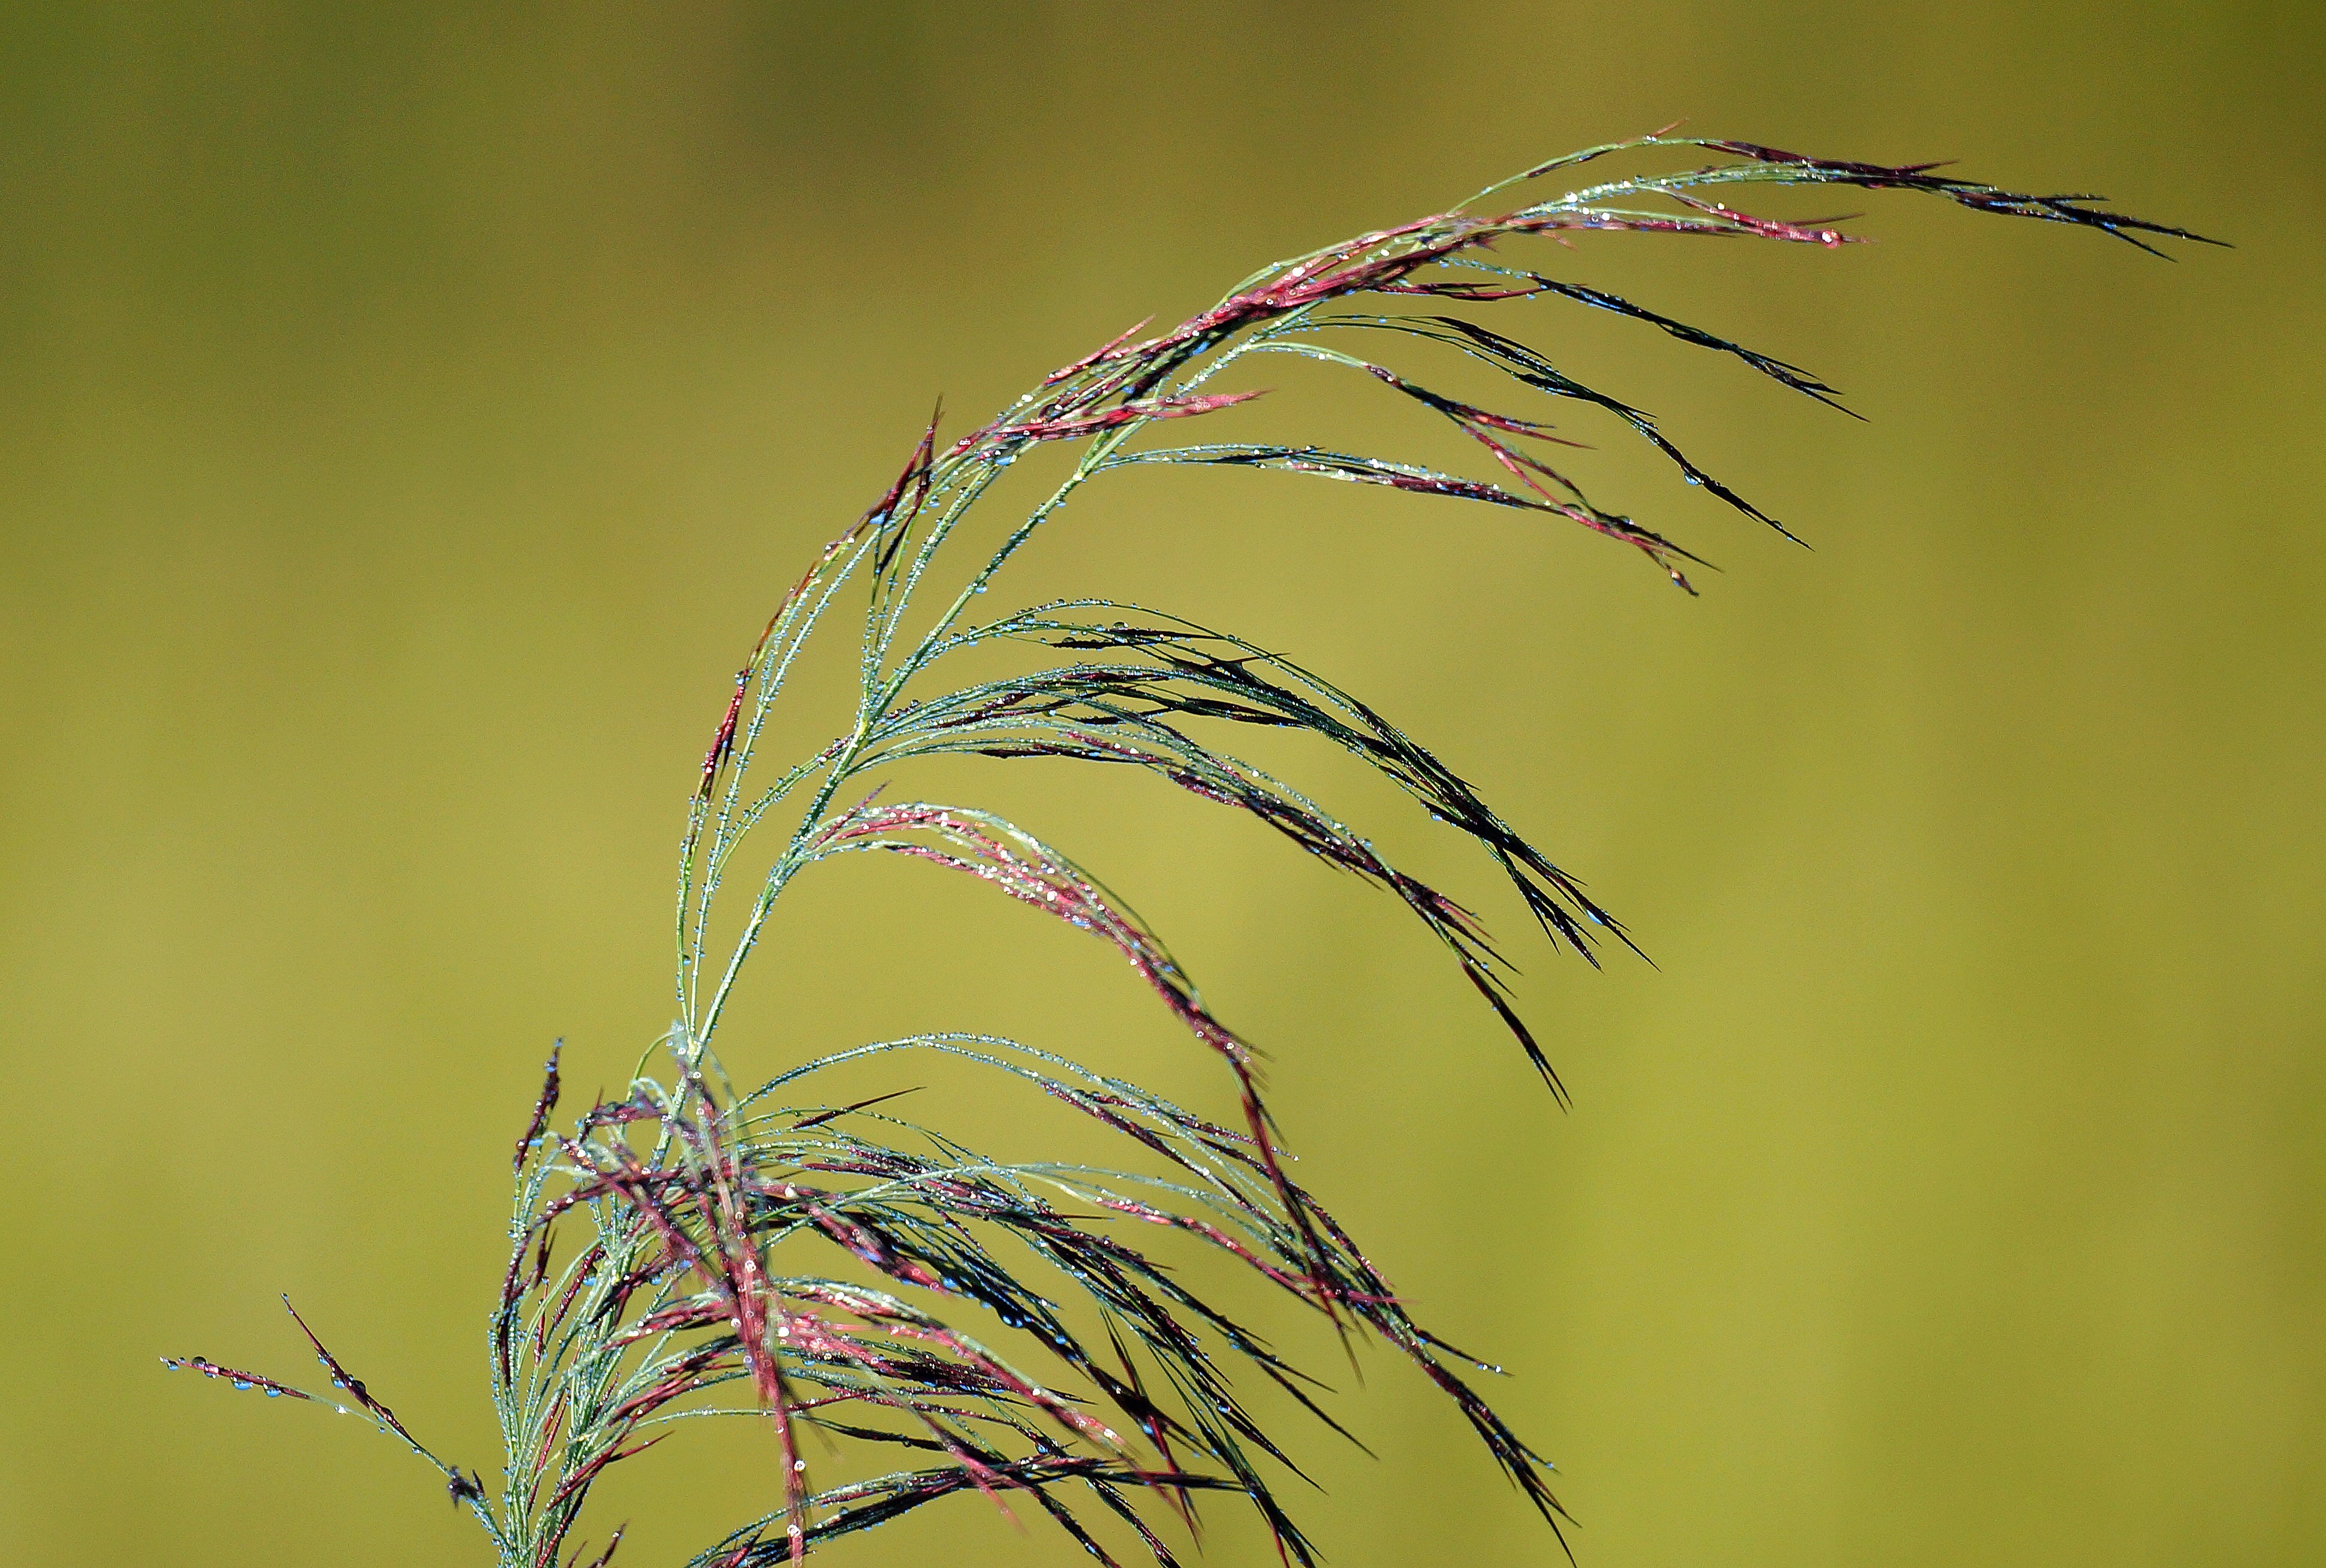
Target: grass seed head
x=833 y=1266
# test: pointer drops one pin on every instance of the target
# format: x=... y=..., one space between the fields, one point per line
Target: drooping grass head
x=960 y=1322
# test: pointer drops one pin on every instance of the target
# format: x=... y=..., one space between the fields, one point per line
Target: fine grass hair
x=692 y=1251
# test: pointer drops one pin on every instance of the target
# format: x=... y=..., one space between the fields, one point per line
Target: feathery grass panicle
x=693 y=1288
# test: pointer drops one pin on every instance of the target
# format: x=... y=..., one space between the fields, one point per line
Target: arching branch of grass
x=696 y=1291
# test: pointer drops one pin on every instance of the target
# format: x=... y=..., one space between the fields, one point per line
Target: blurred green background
x=411 y=412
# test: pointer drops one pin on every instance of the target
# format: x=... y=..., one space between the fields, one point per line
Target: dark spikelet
x=813 y=1262
x=612 y=1543
x=542 y=1107
x=342 y=1379
x=1526 y=284
x=2057 y=209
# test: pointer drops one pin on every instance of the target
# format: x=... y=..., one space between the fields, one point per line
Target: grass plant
x=692 y=1251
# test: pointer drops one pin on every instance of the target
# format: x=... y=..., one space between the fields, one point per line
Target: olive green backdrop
x=410 y=414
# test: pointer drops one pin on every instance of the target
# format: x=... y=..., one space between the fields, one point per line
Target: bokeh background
x=410 y=413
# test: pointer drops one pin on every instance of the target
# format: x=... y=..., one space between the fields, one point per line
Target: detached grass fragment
x=690 y=1252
